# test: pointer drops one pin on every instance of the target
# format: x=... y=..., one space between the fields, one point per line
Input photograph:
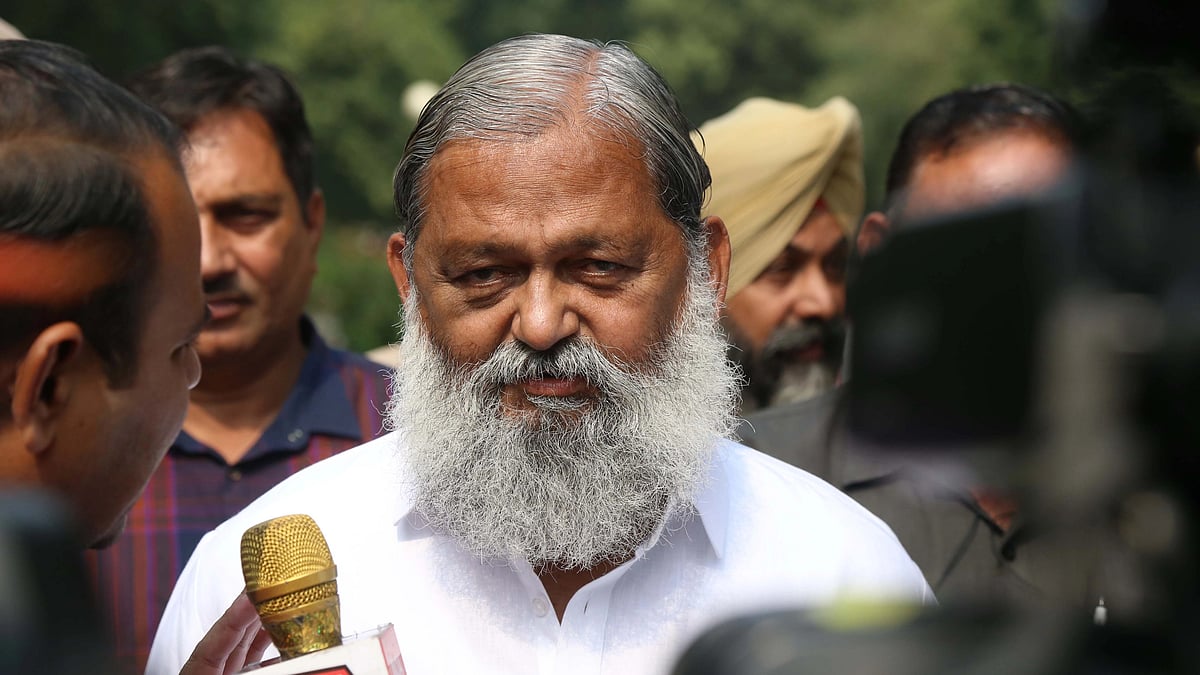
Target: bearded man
x=788 y=181
x=558 y=494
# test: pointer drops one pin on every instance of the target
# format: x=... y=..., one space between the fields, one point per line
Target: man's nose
x=216 y=256
x=812 y=296
x=544 y=313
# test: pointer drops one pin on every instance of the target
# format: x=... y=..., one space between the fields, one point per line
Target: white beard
x=579 y=481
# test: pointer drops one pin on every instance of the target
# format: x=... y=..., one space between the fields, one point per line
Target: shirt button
x=540 y=607
x=235 y=475
x=296 y=435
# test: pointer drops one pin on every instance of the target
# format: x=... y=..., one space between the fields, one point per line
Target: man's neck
x=999 y=506
x=562 y=585
x=237 y=399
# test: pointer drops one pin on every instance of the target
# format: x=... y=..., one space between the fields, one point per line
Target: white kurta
x=765 y=536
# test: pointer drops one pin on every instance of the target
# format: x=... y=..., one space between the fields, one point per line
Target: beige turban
x=771 y=161
x=9 y=31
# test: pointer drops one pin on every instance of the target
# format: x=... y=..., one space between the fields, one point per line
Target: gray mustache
x=572 y=358
x=827 y=333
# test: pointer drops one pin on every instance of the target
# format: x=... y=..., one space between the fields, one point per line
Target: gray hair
x=523 y=86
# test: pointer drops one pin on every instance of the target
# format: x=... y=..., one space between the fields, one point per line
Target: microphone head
x=291 y=578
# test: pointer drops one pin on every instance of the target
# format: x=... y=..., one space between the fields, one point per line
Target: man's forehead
x=467 y=154
x=566 y=144
x=547 y=197
x=565 y=160
x=820 y=229
x=1004 y=166
x=219 y=138
x=201 y=131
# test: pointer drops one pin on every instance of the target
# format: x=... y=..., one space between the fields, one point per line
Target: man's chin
x=556 y=415
x=217 y=354
x=803 y=381
x=228 y=343
x=105 y=540
x=517 y=403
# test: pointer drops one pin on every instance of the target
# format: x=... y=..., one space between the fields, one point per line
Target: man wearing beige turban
x=788 y=181
x=964 y=150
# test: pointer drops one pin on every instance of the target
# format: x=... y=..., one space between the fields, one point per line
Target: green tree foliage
x=126 y=35
x=886 y=56
x=356 y=301
x=353 y=60
x=709 y=51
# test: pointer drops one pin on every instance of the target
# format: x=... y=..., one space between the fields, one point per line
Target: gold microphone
x=292 y=581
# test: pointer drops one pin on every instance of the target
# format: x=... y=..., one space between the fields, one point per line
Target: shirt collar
x=317 y=404
x=711 y=507
x=712 y=502
x=410 y=524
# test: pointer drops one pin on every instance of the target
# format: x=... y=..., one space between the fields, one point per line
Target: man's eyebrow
x=260 y=200
x=487 y=249
x=794 y=250
x=458 y=254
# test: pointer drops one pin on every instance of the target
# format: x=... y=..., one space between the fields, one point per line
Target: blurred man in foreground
x=558 y=495
x=973 y=148
x=788 y=181
x=101 y=302
x=274 y=398
x=963 y=151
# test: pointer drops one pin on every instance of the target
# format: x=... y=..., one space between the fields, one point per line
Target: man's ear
x=395 y=260
x=44 y=383
x=314 y=217
x=718 y=254
x=874 y=228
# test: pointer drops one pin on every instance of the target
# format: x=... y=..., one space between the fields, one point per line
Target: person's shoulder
x=359 y=363
x=797 y=433
x=325 y=487
x=817 y=408
x=781 y=493
x=791 y=522
x=770 y=477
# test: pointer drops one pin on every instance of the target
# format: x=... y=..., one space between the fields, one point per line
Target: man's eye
x=246 y=219
x=835 y=265
x=481 y=276
x=601 y=267
x=779 y=272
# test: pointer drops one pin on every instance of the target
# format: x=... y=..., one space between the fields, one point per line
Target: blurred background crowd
x=354 y=60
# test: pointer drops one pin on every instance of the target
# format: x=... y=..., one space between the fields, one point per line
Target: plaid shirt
x=336 y=404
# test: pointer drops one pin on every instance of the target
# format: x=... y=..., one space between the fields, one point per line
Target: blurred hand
x=235 y=641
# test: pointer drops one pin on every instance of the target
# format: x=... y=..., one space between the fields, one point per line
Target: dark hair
x=972 y=113
x=193 y=83
x=68 y=137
